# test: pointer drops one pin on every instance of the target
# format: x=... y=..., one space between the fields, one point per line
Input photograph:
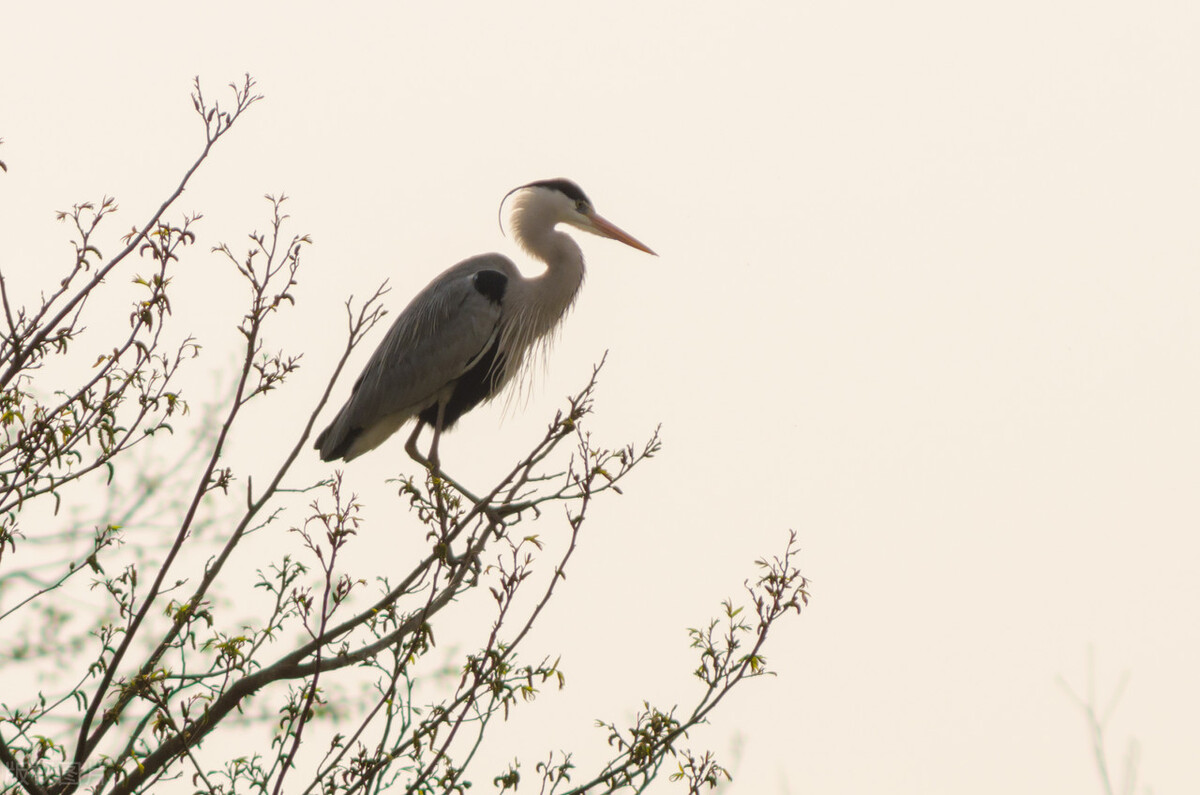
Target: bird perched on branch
x=467 y=334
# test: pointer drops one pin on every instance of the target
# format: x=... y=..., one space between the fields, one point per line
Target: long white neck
x=546 y=298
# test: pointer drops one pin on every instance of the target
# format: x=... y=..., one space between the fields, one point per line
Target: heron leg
x=431 y=462
x=434 y=462
x=410 y=446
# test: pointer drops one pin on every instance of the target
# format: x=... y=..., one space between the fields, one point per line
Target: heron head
x=560 y=200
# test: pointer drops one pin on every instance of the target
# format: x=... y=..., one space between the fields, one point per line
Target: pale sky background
x=927 y=294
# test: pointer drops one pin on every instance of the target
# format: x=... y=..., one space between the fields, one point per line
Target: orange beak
x=599 y=226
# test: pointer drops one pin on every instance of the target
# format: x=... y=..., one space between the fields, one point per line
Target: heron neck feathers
x=548 y=296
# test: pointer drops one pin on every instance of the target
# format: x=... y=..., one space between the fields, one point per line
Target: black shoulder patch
x=563 y=186
x=490 y=284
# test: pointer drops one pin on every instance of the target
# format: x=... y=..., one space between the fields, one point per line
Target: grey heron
x=468 y=333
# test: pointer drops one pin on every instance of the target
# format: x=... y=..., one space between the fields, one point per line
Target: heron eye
x=581 y=207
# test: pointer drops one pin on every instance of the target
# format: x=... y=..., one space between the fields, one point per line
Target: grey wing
x=436 y=339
